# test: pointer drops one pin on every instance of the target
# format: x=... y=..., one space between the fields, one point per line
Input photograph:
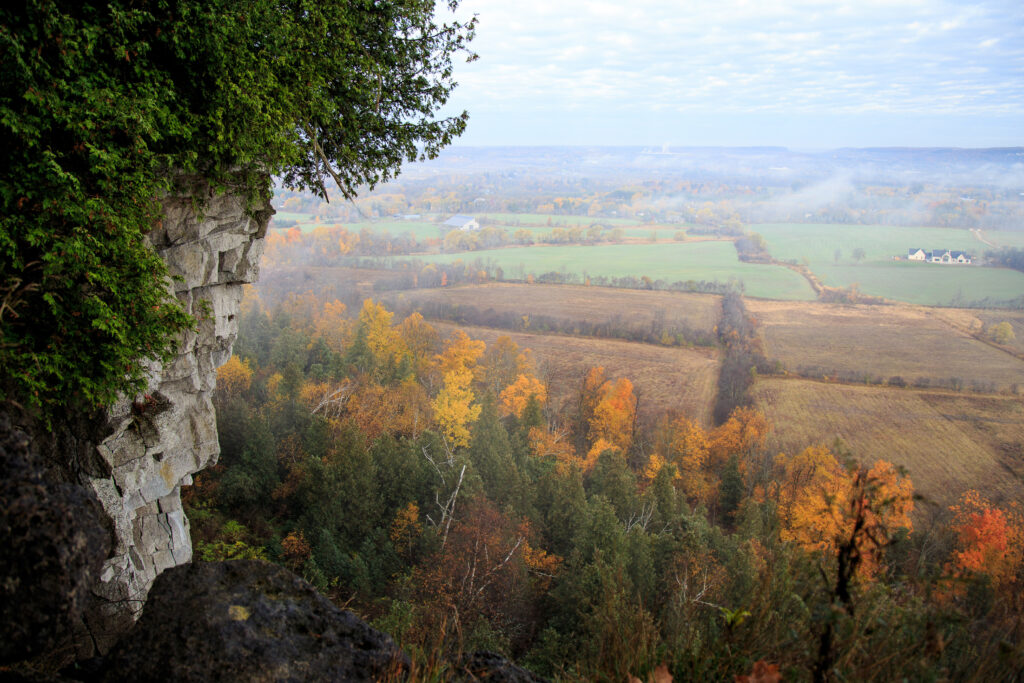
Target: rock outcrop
x=153 y=444
x=54 y=542
x=248 y=620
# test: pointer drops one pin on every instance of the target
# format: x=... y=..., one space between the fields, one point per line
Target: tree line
x=657 y=331
x=438 y=488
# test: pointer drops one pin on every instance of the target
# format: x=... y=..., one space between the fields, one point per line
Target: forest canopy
x=104 y=106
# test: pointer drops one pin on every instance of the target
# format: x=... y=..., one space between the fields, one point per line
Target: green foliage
x=593 y=577
x=106 y=107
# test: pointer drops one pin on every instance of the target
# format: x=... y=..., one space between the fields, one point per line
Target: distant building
x=939 y=256
x=464 y=223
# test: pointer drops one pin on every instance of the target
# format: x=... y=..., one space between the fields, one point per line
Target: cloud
x=808 y=56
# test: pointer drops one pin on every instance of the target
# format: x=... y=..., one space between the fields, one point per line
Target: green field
x=1004 y=238
x=670 y=261
x=541 y=220
x=293 y=216
x=879 y=275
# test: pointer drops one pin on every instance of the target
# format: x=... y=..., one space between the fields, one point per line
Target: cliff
x=150 y=447
x=92 y=517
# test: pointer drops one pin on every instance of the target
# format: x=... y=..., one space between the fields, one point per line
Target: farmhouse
x=938 y=256
x=464 y=223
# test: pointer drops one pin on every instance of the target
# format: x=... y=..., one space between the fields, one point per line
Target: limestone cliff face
x=156 y=444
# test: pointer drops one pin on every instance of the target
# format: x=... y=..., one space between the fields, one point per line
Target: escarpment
x=152 y=445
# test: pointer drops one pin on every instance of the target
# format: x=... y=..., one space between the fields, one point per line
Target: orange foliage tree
x=824 y=506
x=989 y=540
x=614 y=417
x=745 y=429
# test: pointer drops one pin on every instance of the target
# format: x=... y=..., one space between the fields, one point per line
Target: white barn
x=464 y=223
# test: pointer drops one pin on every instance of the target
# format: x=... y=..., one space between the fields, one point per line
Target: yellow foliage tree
x=406 y=528
x=420 y=339
x=333 y=327
x=460 y=353
x=381 y=339
x=453 y=407
x=516 y=395
x=655 y=464
x=234 y=377
x=690 y=451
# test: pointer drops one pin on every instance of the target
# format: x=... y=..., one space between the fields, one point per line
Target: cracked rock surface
x=156 y=442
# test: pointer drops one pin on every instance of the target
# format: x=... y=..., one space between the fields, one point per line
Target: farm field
x=328 y=282
x=949 y=443
x=879 y=275
x=884 y=341
x=636 y=308
x=665 y=378
x=541 y=220
x=1016 y=320
x=669 y=261
x=421 y=229
x=1003 y=238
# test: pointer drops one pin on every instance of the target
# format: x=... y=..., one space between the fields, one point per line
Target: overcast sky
x=799 y=73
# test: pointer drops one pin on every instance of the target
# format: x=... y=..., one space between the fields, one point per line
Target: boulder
x=248 y=620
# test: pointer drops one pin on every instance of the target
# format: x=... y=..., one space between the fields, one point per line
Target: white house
x=948 y=256
x=464 y=223
x=938 y=256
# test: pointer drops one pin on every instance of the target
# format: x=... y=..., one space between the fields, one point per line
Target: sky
x=804 y=74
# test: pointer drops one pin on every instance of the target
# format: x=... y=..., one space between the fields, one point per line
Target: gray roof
x=458 y=220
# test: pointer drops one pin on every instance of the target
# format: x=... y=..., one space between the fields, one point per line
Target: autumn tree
x=234 y=377
x=614 y=415
x=689 y=450
x=824 y=505
x=516 y=395
x=505 y=362
x=989 y=541
x=333 y=326
x=421 y=341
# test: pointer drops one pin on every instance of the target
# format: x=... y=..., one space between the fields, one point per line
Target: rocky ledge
x=154 y=443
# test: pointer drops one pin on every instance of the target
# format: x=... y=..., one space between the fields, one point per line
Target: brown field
x=586 y=304
x=911 y=342
x=327 y=282
x=1016 y=320
x=665 y=378
x=948 y=442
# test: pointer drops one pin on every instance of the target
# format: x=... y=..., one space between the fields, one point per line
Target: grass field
x=587 y=304
x=542 y=220
x=949 y=443
x=670 y=261
x=665 y=378
x=879 y=275
x=1003 y=238
x=909 y=341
